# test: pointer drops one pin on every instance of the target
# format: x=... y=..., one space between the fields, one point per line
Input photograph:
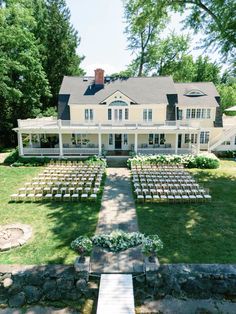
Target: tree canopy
x=37 y=48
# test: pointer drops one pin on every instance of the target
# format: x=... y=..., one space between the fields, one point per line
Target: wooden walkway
x=116 y=294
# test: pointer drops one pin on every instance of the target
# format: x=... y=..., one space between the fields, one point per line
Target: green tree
x=60 y=41
x=22 y=79
x=182 y=70
x=228 y=96
x=215 y=18
x=166 y=53
x=144 y=25
x=206 y=71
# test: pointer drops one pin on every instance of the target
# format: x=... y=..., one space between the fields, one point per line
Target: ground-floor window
x=190 y=138
x=226 y=143
x=79 y=139
x=110 y=139
x=204 y=137
x=125 y=139
x=154 y=138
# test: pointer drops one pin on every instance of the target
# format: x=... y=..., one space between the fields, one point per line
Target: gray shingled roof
x=148 y=90
x=207 y=88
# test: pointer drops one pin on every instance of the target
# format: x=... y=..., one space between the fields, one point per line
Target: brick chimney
x=99 y=77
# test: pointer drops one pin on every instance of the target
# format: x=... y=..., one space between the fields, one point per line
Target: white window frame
x=147 y=115
x=109 y=114
x=204 y=137
x=111 y=139
x=198 y=113
x=88 y=115
x=125 y=139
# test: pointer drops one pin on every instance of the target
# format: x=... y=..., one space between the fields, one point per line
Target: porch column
x=60 y=144
x=99 y=143
x=20 y=143
x=60 y=139
x=136 y=143
x=30 y=140
x=176 y=143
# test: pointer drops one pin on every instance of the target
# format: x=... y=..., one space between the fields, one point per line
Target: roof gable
x=117 y=95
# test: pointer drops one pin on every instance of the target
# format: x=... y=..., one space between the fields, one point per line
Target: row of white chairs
x=71 y=185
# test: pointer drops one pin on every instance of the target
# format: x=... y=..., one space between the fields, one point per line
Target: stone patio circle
x=14 y=235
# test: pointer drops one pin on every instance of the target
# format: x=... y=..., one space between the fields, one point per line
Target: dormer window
x=118 y=103
x=194 y=93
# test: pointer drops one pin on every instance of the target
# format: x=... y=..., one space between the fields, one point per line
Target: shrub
x=188 y=161
x=12 y=157
x=30 y=162
x=151 y=245
x=82 y=245
x=226 y=154
x=96 y=160
x=118 y=240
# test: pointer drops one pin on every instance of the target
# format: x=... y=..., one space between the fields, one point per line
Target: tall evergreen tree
x=60 y=41
x=22 y=79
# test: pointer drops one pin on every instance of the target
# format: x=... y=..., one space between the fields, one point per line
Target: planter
x=82 y=265
x=152 y=265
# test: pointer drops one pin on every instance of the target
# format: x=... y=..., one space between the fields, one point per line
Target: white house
x=103 y=115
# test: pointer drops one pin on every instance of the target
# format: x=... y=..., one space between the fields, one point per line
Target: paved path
x=116 y=294
x=117 y=212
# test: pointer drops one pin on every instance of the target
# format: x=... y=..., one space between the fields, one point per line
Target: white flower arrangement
x=118 y=240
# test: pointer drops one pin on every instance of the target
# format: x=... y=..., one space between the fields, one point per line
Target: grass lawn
x=55 y=225
x=197 y=233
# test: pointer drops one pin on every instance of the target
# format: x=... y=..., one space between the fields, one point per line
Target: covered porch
x=107 y=144
x=50 y=137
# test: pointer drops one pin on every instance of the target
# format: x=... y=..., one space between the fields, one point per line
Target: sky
x=100 y=24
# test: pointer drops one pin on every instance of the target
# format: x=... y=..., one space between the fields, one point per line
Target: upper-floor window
x=126 y=114
x=116 y=113
x=198 y=113
x=88 y=114
x=204 y=137
x=147 y=115
x=180 y=114
x=109 y=114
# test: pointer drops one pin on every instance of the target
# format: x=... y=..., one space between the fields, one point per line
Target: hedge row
x=188 y=161
x=226 y=154
x=15 y=160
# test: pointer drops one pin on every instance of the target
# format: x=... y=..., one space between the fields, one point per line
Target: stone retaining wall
x=191 y=280
x=20 y=285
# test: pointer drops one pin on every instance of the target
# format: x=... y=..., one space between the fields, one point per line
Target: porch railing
x=80 y=151
x=41 y=151
x=56 y=151
x=53 y=123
